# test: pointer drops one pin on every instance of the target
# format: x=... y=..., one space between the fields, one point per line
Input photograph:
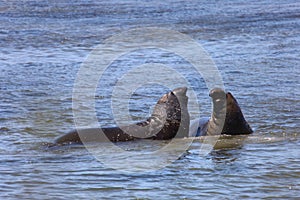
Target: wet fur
x=225 y=106
x=235 y=122
x=170 y=118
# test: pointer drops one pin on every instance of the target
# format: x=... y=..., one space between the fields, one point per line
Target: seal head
x=172 y=110
x=227 y=117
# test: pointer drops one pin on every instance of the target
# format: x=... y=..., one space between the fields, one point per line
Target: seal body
x=226 y=118
x=169 y=119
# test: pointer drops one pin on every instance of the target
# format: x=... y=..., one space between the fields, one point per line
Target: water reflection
x=224 y=156
x=230 y=142
x=255 y=46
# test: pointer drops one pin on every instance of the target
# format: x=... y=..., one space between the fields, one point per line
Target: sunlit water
x=255 y=45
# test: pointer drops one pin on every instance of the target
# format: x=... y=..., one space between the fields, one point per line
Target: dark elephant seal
x=225 y=106
x=170 y=118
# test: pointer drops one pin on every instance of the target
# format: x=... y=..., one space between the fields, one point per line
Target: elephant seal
x=169 y=119
x=225 y=106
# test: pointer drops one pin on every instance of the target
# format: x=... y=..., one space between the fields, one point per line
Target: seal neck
x=218 y=117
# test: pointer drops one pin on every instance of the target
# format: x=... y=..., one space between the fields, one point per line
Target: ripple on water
x=254 y=45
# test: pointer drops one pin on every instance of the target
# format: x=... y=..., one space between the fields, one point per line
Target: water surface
x=255 y=45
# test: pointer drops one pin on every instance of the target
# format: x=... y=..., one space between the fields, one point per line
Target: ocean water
x=254 y=45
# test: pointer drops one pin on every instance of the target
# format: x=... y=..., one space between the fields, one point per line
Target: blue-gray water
x=255 y=45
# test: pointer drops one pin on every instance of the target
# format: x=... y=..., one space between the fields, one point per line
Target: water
x=255 y=45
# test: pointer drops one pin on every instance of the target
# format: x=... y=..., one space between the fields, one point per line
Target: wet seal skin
x=225 y=106
x=169 y=119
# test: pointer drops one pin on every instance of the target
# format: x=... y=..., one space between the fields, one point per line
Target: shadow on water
x=227 y=150
x=224 y=156
x=230 y=142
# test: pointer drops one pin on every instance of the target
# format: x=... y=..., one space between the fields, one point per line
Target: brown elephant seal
x=169 y=119
x=226 y=118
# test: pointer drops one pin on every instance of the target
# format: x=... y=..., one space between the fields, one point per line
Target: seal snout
x=217 y=94
x=180 y=91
